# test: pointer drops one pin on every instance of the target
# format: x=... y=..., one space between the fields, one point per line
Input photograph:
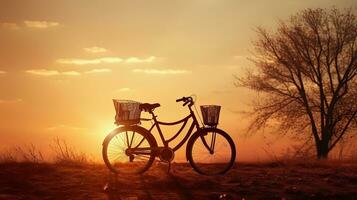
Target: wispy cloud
x=43 y=72
x=71 y=73
x=75 y=61
x=2 y=72
x=3 y=101
x=161 y=71
x=104 y=70
x=46 y=72
x=95 y=49
x=125 y=89
x=138 y=60
x=105 y=60
x=29 y=24
x=12 y=26
x=64 y=127
x=40 y=24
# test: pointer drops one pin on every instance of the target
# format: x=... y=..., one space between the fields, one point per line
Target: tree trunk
x=322 y=150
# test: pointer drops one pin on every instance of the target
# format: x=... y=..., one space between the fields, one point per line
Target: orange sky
x=61 y=63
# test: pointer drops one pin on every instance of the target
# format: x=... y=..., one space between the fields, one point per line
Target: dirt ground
x=244 y=181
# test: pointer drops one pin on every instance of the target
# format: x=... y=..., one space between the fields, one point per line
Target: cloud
x=105 y=60
x=104 y=70
x=111 y=60
x=125 y=89
x=30 y=24
x=40 y=24
x=43 y=72
x=79 y=61
x=71 y=73
x=64 y=127
x=12 y=26
x=2 y=72
x=95 y=49
x=10 y=101
x=75 y=61
x=138 y=60
x=161 y=71
x=46 y=72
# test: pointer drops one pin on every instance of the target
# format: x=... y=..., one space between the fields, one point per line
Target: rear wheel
x=129 y=150
x=211 y=151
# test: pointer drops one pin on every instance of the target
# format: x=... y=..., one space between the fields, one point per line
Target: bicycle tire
x=145 y=134
x=200 y=167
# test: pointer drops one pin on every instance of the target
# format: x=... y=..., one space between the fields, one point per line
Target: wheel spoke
x=142 y=157
x=118 y=142
x=142 y=140
x=118 y=156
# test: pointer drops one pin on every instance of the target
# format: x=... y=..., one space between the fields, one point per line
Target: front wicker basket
x=210 y=114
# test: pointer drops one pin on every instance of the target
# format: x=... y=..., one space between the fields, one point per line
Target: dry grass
x=63 y=154
x=248 y=181
x=67 y=155
x=28 y=153
x=8 y=156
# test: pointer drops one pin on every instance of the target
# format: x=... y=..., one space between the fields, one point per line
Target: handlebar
x=186 y=100
x=181 y=99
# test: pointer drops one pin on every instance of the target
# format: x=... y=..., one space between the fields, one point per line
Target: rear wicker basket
x=127 y=112
x=210 y=114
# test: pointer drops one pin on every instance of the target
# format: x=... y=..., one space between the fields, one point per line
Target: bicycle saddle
x=148 y=106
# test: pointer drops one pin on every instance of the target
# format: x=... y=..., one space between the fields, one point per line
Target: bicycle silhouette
x=209 y=150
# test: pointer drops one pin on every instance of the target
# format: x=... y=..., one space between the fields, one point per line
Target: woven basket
x=210 y=114
x=127 y=112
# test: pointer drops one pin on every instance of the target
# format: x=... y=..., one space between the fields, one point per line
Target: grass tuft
x=66 y=155
x=27 y=153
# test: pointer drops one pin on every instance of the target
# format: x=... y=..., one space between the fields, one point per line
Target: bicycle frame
x=184 y=121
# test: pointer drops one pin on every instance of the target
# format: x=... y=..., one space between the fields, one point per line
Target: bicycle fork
x=211 y=146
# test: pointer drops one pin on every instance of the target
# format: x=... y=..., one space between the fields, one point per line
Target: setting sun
x=63 y=62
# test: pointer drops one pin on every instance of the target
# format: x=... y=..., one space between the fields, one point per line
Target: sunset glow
x=62 y=63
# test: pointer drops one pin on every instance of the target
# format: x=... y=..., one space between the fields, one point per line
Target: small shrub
x=29 y=153
x=26 y=153
x=66 y=155
x=8 y=156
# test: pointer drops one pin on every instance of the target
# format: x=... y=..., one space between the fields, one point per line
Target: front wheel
x=211 y=151
x=129 y=150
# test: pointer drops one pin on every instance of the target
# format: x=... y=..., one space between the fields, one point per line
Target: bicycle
x=209 y=150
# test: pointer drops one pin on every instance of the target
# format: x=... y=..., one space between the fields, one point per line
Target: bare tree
x=307 y=72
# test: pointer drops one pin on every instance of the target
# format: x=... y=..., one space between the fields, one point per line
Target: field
x=274 y=180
